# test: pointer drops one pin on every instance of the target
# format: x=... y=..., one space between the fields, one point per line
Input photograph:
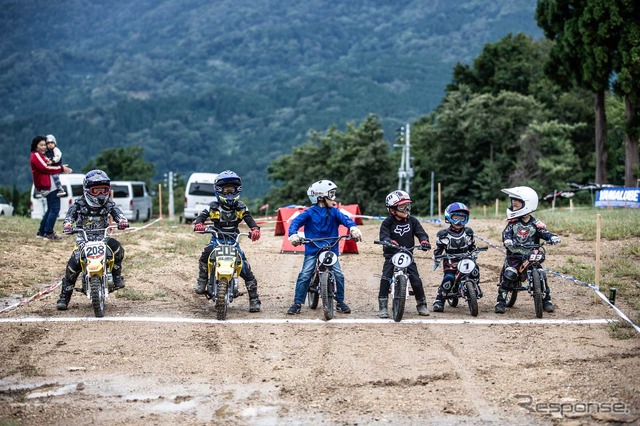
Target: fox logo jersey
x=402 y=229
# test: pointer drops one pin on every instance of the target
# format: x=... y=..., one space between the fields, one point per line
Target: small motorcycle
x=96 y=260
x=466 y=284
x=225 y=265
x=400 y=281
x=323 y=281
x=531 y=272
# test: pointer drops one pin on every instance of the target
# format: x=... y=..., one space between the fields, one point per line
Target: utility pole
x=405 y=171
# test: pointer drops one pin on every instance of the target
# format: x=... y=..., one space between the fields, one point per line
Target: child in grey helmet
x=54 y=157
x=522 y=229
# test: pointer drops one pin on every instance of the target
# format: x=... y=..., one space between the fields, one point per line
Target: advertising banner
x=618 y=197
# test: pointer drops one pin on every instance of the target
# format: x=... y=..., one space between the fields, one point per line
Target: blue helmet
x=457 y=209
x=228 y=187
x=96 y=187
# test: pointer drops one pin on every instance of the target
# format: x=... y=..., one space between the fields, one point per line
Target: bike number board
x=401 y=260
x=466 y=266
x=95 y=250
x=535 y=257
x=327 y=258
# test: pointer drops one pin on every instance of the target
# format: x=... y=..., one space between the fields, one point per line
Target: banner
x=618 y=197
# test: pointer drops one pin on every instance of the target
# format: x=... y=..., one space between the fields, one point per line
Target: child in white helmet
x=54 y=157
x=522 y=229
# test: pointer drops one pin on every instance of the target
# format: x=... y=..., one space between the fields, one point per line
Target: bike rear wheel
x=326 y=292
x=399 y=298
x=537 y=292
x=511 y=297
x=96 y=288
x=472 y=298
x=313 y=297
x=222 y=299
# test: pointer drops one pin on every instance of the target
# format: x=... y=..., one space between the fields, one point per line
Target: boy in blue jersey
x=321 y=220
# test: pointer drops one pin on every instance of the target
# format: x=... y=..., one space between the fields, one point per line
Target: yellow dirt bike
x=96 y=260
x=225 y=265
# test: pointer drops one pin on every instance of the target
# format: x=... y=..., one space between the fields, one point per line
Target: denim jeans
x=304 y=279
x=51 y=215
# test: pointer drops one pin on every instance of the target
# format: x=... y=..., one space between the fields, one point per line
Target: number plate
x=401 y=260
x=465 y=266
x=535 y=257
x=327 y=258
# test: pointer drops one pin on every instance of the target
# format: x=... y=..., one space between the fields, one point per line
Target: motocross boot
x=65 y=295
x=254 y=300
x=438 y=304
x=423 y=310
x=382 y=304
x=546 y=303
x=203 y=274
x=118 y=281
x=501 y=305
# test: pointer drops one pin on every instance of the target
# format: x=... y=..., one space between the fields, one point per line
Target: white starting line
x=475 y=321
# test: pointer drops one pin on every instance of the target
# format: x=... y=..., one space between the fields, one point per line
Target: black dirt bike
x=531 y=272
x=400 y=280
x=323 y=282
x=466 y=284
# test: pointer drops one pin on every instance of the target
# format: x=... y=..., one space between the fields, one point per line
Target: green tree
x=357 y=160
x=123 y=164
x=585 y=35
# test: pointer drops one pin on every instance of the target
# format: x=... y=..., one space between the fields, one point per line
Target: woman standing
x=43 y=183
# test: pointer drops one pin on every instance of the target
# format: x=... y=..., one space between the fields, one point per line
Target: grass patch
x=616 y=224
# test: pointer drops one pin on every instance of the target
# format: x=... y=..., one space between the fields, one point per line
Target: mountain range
x=213 y=85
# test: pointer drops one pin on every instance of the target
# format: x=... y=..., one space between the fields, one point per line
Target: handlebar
x=397 y=247
x=210 y=229
x=81 y=230
x=315 y=241
x=473 y=253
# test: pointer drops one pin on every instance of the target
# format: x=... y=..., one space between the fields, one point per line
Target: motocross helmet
x=96 y=187
x=529 y=199
x=456 y=209
x=398 y=200
x=228 y=187
x=321 y=189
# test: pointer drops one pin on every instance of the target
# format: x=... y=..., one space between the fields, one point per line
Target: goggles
x=331 y=194
x=404 y=208
x=99 y=190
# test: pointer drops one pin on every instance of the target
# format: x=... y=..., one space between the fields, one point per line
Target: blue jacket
x=320 y=222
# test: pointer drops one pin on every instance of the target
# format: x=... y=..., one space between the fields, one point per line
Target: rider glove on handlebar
x=255 y=234
x=294 y=239
x=355 y=234
x=67 y=228
x=555 y=239
x=123 y=224
x=198 y=227
x=425 y=245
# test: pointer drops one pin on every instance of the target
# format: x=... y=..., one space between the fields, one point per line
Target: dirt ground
x=164 y=360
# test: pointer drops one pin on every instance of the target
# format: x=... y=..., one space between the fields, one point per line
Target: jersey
x=453 y=241
x=402 y=232
x=522 y=233
x=92 y=218
x=226 y=219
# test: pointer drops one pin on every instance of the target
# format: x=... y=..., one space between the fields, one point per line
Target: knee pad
x=510 y=274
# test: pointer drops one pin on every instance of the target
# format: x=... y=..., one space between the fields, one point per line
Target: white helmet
x=397 y=198
x=321 y=189
x=529 y=198
x=51 y=138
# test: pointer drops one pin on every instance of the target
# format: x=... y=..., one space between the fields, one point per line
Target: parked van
x=72 y=183
x=133 y=199
x=198 y=194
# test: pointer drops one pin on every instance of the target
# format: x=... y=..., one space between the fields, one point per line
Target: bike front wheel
x=399 y=298
x=96 y=287
x=537 y=292
x=472 y=298
x=326 y=292
x=222 y=299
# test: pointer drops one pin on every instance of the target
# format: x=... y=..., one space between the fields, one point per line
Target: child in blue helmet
x=225 y=213
x=456 y=239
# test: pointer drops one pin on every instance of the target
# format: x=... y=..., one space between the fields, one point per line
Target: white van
x=133 y=199
x=72 y=183
x=198 y=194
